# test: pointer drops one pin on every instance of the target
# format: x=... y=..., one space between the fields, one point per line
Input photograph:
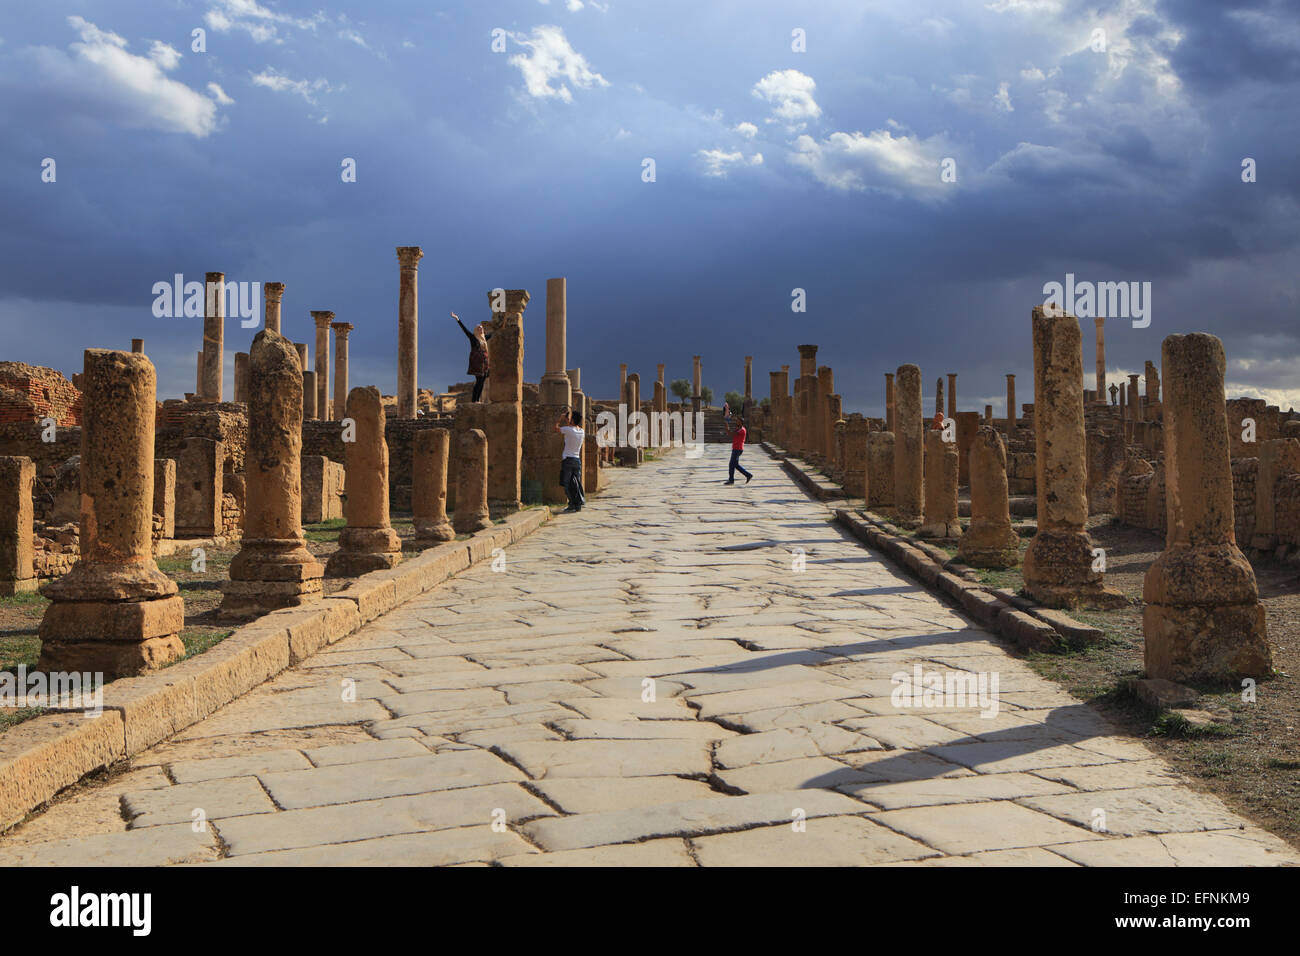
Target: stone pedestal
x=590 y=463
x=968 y=424
x=1203 y=620
x=909 y=437
x=368 y=542
x=17 y=476
x=200 y=483
x=273 y=568
x=471 y=512
x=214 y=332
x=429 y=487
x=408 y=258
x=989 y=541
x=137 y=346
x=880 y=470
x=341 y=332
x=940 y=518
x=1059 y=565
x=504 y=421
x=114 y=612
x=272 y=294
x=164 y=496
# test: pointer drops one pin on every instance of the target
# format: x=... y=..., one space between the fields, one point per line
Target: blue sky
x=775 y=169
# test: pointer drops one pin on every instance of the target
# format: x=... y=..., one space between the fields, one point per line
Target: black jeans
x=478 y=386
x=571 y=480
x=734 y=466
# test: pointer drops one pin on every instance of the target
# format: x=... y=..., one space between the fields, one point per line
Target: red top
x=738 y=438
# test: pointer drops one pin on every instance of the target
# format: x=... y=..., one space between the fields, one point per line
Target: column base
x=503 y=508
x=429 y=534
x=1058 y=572
x=115 y=638
x=1206 y=644
x=244 y=599
x=362 y=550
x=940 y=529
x=470 y=523
x=989 y=548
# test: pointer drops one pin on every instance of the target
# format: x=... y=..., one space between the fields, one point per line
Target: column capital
x=341 y=329
x=322 y=318
x=516 y=300
x=409 y=256
x=273 y=291
x=808 y=351
x=214 y=276
x=1011 y=376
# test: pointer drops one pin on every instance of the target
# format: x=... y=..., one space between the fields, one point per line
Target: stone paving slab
x=653 y=683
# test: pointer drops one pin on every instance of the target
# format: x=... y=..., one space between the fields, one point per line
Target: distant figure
x=570 y=426
x=478 y=354
x=737 y=449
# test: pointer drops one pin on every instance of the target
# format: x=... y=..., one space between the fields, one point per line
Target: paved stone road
x=684 y=674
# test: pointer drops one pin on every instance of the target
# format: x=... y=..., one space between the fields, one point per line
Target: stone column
x=408 y=258
x=322 y=365
x=471 y=512
x=880 y=469
x=660 y=368
x=989 y=541
x=940 y=503
x=114 y=612
x=1203 y=621
x=1133 y=406
x=774 y=405
x=660 y=399
x=272 y=293
x=429 y=487
x=1101 y=358
x=341 y=331
x=575 y=379
x=698 y=383
x=938 y=397
x=749 y=378
x=952 y=396
x=301 y=348
x=137 y=346
x=889 y=401
x=856 y=430
x=909 y=435
x=273 y=568
x=309 y=412
x=988 y=415
x=214 y=331
x=164 y=495
x=17 y=477
x=622 y=377
x=1011 y=405
x=1152 y=383
x=198 y=383
x=505 y=419
x=368 y=542
x=555 y=388
x=590 y=461
x=1059 y=565
x=968 y=424
x=241 y=376
x=823 y=427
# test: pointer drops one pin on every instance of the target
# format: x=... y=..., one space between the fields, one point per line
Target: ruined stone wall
x=1131 y=499
x=1244 y=473
x=24 y=439
x=29 y=393
x=226 y=422
x=1022 y=474
x=1286 y=509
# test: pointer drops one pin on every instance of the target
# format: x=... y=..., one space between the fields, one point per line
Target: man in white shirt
x=570 y=426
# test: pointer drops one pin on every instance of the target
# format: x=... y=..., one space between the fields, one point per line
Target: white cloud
x=1002 y=99
x=260 y=23
x=877 y=160
x=790 y=94
x=272 y=79
x=219 y=94
x=124 y=87
x=717 y=162
x=747 y=130
x=551 y=58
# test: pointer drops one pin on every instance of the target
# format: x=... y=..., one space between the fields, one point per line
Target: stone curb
x=1013 y=616
x=44 y=755
x=820 y=488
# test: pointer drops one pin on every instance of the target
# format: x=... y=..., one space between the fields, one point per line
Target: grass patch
x=198 y=640
x=324 y=531
x=11 y=718
x=24 y=599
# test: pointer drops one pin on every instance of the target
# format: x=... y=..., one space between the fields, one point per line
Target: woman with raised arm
x=478 y=354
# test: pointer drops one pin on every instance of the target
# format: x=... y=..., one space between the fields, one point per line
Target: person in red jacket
x=737 y=449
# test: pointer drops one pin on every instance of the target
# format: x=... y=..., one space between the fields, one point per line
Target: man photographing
x=570 y=426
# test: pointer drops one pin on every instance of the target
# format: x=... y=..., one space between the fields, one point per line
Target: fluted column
x=341 y=330
x=408 y=258
x=322 y=366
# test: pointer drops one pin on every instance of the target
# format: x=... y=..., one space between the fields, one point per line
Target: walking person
x=737 y=449
x=478 y=354
x=570 y=426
